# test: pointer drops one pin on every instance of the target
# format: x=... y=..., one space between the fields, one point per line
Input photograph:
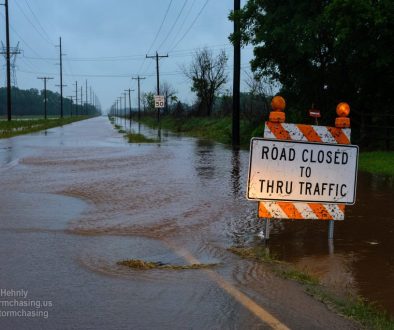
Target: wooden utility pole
x=76 y=98
x=86 y=96
x=236 y=76
x=8 y=59
x=81 y=100
x=129 y=91
x=139 y=96
x=71 y=104
x=61 y=77
x=157 y=57
x=45 y=94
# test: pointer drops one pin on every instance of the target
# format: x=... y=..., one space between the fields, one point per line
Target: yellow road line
x=240 y=297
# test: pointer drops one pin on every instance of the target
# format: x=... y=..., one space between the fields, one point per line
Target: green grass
x=214 y=128
x=219 y=129
x=25 y=126
x=379 y=162
x=138 y=138
x=146 y=265
x=356 y=308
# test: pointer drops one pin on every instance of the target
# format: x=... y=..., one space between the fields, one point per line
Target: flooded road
x=77 y=199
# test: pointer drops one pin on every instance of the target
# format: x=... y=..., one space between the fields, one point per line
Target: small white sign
x=159 y=101
x=297 y=171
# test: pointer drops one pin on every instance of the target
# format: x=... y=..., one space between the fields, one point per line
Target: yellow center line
x=240 y=297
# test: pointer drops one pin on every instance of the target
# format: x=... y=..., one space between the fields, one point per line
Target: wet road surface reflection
x=80 y=198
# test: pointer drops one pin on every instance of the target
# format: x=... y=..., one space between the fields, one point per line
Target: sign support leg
x=267 y=229
x=331 y=229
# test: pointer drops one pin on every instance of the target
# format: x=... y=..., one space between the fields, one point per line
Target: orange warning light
x=278 y=103
x=343 y=109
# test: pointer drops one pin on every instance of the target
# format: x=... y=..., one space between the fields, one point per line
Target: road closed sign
x=298 y=171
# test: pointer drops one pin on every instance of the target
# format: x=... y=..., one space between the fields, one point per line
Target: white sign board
x=159 y=101
x=297 y=171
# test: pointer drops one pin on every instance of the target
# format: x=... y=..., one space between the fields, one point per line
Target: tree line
x=30 y=102
x=315 y=54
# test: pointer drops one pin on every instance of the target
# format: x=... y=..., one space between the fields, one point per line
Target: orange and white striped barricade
x=281 y=183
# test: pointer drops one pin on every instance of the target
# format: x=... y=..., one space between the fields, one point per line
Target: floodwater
x=75 y=200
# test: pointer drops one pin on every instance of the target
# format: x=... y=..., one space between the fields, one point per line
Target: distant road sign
x=314 y=113
x=298 y=171
x=159 y=101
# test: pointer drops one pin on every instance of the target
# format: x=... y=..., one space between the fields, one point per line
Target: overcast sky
x=106 y=42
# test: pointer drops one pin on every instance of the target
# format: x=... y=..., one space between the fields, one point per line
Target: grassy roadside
x=132 y=137
x=219 y=129
x=355 y=308
x=379 y=162
x=25 y=126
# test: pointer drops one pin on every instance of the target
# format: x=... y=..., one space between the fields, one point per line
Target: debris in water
x=144 y=265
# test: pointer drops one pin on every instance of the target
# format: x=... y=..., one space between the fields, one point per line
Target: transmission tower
x=13 y=52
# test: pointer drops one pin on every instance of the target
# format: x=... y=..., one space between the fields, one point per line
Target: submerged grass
x=25 y=126
x=213 y=128
x=219 y=129
x=379 y=162
x=352 y=307
x=133 y=137
x=146 y=265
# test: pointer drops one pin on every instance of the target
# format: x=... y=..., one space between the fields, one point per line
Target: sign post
x=303 y=171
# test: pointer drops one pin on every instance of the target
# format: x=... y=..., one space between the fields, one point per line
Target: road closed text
x=302 y=171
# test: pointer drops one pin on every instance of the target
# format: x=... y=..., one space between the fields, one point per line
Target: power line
x=21 y=38
x=32 y=24
x=157 y=34
x=38 y=21
x=191 y=25
x=173 y=25
x=161 y=25
x=184 y=21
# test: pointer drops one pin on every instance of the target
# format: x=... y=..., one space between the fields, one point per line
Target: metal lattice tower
x=14 y=51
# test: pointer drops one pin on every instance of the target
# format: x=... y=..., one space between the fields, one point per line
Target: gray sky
x=106 y=42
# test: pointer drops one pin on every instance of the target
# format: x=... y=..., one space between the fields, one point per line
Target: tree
x=207 y=74
x=148 y=101
x=169 y=92
x=323 y=52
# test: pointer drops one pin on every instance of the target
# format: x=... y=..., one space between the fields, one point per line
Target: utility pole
x=81 y=100
x=236 y=76
x=8 y=59
x=139 y=97
x=86 y=95
x=129 y=90
x=71 y=104
x=76 y=98
x=90 y=95
x=61 y=76
x=157 y=57
x=45 y=94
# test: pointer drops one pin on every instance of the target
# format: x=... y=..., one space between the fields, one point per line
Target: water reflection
x=205 y=162
x=235 y=172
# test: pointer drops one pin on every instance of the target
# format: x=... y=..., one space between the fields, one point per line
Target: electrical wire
x=191 y=25
x=33 y=25
x=173 y=25
x=38 y=21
